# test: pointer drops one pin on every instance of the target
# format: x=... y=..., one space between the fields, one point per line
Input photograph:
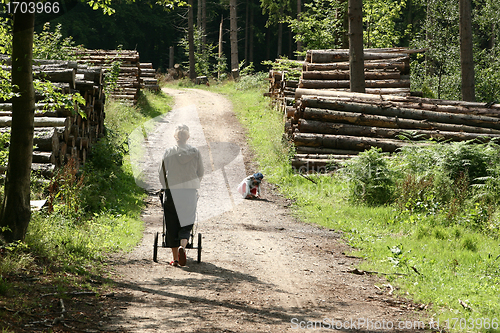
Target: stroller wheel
x=155 y=248
x=199 y=248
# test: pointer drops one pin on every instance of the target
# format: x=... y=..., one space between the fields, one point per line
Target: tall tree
x=277 y=15
x=466 y=56
x=356 y=55
x=204 y=23
x=251 y=33
x=16 y=210
x=192 y=69
x=247 y=29
x=280 y=34
x=198 y=15
x=201 y=22
x=299 y=42
x=233 y=36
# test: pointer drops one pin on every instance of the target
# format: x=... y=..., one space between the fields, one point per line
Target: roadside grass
x=434 y=256
x=91 y=213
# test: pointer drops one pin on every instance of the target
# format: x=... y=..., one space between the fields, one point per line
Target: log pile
x=328 y=126
x=283 y=82
x=63 y=134
x=387 y=71
x=148 y=76
x=129 y=81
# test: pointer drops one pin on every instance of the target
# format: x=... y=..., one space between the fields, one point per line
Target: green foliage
x=4 y=148
x=171 y=4
x=5 y=35
x=53 y=99
x=449 y=184
x=321 y=25
x=437 y=73
x=220 y=66
x=64 y=191
x=380 y=19
x=6 y=89
x=291 y=68
x=111 y=78
x=51 y=44
x=487 y=71
x=104 y=5
x=207 y=61
x=369 y=177
x=276 y=10
x=249 y=79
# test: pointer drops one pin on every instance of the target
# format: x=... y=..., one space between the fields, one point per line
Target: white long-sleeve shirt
x=183 y=168
x=247 y=185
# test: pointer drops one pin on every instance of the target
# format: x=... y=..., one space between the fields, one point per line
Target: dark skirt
x=179 y=209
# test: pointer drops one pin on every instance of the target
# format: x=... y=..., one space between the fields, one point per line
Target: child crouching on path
x=249 y=188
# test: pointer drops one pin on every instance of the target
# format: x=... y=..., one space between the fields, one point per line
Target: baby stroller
x=163 y=244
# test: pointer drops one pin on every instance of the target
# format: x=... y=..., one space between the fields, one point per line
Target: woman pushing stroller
x=181 y=171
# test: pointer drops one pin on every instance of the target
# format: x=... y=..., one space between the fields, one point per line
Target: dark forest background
x=151 y=29
x=271 y=29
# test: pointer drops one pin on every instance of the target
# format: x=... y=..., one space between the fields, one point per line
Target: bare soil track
x=261 y=270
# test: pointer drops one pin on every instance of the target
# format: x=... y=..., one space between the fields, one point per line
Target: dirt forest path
x=261 y=270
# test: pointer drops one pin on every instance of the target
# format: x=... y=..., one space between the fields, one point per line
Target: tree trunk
x=192 y=69
x=344 y=75
x=479 y=108
x=220 y=47
x=466 y=54
x=268 y=43
x=16 y=211
x=406 y=103
x=247 y=19
x=234 y=38
x=408 y=113
x=402 y=66
x=323 y=84
x=332 y=56
x=250 y=43
x=204 y=24
x=356 y=56
x=345 y=142
x=299 y=43
x=280 y=34
x=312 y=126
x=171 y=57
x=37 y=121
x=198 y=15
x=362 y=119
x=323 y=151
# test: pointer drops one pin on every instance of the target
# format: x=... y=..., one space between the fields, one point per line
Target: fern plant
x=370 y=179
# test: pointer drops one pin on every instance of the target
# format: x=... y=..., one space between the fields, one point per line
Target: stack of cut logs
x=129 y=81
x=62 y=134
x=282 y=83
x=148 y=76
x=387 y=71
x=327 y=126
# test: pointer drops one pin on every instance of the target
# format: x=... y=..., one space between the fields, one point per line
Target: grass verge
x=444 y=263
